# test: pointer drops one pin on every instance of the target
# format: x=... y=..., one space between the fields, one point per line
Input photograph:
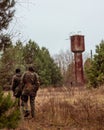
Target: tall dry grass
x=67 y=109
x=71 y=108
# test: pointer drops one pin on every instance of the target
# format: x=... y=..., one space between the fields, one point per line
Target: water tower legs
x=78 y=68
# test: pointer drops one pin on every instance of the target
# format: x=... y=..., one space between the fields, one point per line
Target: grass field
x=67 y=109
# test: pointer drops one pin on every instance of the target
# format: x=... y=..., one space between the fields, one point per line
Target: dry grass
x=68 y=109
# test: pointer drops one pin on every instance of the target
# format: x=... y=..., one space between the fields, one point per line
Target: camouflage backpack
x=30 y=83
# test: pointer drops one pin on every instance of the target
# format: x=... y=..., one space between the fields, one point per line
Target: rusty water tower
x=77 y=47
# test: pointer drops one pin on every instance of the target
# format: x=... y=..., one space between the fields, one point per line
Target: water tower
x=77 y=47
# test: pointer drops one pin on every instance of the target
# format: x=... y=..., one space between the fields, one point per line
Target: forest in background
x=19 y=56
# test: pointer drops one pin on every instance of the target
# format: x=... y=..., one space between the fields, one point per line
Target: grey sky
x=50 y=22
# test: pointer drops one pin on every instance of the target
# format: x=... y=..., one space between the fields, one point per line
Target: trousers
x=25 y=99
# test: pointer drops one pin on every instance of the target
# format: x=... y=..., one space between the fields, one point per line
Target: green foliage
x=10 y=60
x=5 y=41
x=44 y=64
x=21 y=56
x=6 y=66
x=9 y=114
x=30 y=52
x=95 y=73
x=6 y=13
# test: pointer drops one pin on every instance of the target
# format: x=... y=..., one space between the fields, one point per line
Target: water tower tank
x=77 y=43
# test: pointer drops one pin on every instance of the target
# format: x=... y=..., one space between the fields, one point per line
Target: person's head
x=17 y=70
x=30 y=68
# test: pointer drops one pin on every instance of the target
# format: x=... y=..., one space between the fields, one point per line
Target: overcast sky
x=51 y=22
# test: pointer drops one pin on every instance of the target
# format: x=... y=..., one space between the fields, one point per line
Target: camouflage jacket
x=16 y=81
x=30 y=81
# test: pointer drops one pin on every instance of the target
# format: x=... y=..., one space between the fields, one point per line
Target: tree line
x=53 y=71
x=20 y=56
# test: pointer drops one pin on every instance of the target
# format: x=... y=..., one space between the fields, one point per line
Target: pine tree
x=95 y=73
x=9 y=113
x=6 y=13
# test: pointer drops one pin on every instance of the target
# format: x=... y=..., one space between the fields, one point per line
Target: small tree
x=9 y=113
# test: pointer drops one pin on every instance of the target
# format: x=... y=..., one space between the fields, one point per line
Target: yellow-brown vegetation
x=67 y=109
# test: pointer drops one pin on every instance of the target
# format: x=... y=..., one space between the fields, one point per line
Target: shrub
x=9 y=113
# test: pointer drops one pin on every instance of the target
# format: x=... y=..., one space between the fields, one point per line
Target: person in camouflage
x=30 y=81
x=16 y=81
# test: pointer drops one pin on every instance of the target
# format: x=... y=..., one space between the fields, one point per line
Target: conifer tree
x=9 y=113
x=95 y=72
x=6 y=13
